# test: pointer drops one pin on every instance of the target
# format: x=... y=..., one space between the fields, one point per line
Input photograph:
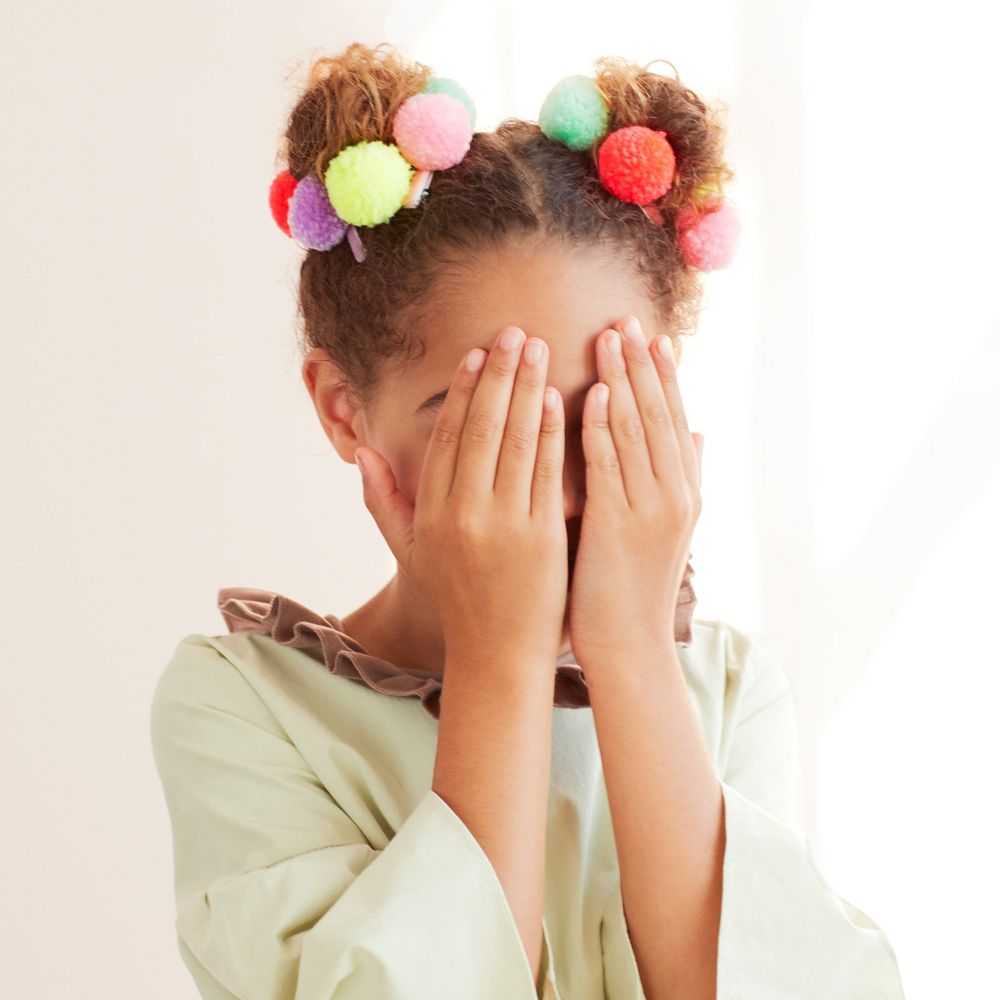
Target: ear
x=327 y=387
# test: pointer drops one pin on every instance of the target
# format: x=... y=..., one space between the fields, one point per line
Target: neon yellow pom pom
x=708 y=192
x=368 y=182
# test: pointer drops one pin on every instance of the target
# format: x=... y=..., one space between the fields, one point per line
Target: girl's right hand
x=485 y=541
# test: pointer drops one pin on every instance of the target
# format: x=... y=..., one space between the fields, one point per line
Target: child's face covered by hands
x=565 y=297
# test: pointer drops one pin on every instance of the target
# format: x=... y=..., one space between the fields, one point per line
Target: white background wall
x=158 y=443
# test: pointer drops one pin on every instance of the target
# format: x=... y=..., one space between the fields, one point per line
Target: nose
x=573 y=501
x=574 y=478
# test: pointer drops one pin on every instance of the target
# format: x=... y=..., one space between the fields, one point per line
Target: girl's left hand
x=643 y=501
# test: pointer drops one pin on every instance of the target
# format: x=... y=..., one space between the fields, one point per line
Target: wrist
x=509 y=671
x=631 y=656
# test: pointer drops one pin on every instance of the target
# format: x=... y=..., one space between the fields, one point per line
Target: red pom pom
x=636 y=164
x=282 y=189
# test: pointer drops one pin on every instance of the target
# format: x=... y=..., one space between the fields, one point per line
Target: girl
x=525 y=771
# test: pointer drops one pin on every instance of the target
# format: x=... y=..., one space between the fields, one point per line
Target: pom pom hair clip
x=366 y=183
x=637 y=164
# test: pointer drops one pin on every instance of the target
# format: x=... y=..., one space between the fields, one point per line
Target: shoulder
x=225 y=682
x=201 y=664
x=731 y=672
x=742 y=661
x=242 y=665
x=207 y=674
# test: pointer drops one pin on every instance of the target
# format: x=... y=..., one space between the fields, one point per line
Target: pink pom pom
x=709 y=241
x=432 y=131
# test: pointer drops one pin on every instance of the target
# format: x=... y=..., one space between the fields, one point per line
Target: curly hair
x=513 y=182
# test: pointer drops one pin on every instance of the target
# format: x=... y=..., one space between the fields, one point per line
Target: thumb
x=392 y=512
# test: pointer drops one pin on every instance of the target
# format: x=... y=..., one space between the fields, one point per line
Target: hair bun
x=636 y=95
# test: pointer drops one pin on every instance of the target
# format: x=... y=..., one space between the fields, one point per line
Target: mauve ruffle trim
x=247 y=609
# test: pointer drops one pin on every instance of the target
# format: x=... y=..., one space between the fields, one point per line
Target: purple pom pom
x=311 y=218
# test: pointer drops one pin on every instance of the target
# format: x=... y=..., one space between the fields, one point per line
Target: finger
x=664 y=355
x=485 y=423
x=519 y=446
x=657 y=421
x=699 y=440
x=604 y=481
x=546 y=489
x=390 y=509
x=626 y=424
x=441 y=457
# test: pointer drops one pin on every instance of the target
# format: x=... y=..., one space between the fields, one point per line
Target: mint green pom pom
x=445 y=85
x=368 y=182
x=575 y=112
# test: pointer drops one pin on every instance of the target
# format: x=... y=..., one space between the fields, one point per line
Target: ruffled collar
x=247 y=609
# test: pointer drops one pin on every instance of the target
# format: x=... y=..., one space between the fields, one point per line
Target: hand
x=643 y=501
x=485 y=541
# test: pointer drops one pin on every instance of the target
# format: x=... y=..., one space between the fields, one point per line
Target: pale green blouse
x=313 y=860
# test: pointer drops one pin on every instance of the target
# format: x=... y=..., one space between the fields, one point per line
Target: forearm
x=668 y=816
x=492 y=768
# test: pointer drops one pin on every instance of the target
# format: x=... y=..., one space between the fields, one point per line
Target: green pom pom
x=445 y=85
x=575 y=112
x=368 y=182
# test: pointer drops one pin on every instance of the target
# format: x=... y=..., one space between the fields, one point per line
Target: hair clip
x=366 y=183
x=638 y=165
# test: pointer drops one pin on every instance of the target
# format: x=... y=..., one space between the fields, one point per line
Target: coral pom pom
x=445 y=85
x=432 y=131
x=575 y=112
x=708 y=242
x=282 y=188
x=367 y=182
x=311 y=218
x=636 y=164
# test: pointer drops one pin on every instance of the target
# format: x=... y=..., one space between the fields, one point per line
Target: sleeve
x=280 y=895
x=784 y=933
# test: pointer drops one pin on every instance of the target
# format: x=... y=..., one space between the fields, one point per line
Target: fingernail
x=533 y=351
x=632 y=327
x=664 y=345
x=511 y=339
x=613 y=342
